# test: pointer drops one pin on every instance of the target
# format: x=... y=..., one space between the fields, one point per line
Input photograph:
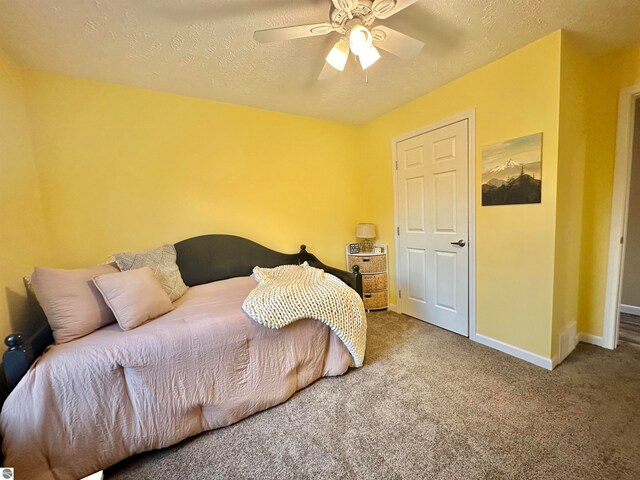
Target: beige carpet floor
x=431 y=404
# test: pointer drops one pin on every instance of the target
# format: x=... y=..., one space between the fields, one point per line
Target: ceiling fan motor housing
x=361 y=12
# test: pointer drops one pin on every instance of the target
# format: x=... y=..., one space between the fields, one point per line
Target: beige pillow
x=70 y=300
x=162 y=261
x=134 y=296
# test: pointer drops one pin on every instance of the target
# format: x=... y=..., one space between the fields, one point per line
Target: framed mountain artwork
x=512 y=171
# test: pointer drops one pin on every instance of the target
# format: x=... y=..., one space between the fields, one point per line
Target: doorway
x=629 y=320
x=622 y=225
x=434 y=182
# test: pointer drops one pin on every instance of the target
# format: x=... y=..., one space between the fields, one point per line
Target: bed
x=92 y=402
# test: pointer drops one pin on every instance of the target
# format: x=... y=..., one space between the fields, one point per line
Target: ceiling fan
x=355 y=21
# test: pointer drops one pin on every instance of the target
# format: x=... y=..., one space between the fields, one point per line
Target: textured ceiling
x=205 y=48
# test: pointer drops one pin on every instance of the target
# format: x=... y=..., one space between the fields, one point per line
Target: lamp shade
x=369 y=57
x=366 y=230
x=360 y=39
x=339 y=54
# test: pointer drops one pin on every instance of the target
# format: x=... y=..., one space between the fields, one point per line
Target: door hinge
x=396 y=165
x=397 y=230
x=621 y=240
x=399 y=293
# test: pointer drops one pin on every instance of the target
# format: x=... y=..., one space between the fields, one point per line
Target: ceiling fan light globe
x=339 y=55
x=360 y=39
x=369 y=57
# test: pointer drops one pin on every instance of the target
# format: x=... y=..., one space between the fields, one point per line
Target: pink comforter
x=94 y=401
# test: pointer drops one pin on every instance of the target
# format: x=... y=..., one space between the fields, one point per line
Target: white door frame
x=619 y=211
x=469 y=115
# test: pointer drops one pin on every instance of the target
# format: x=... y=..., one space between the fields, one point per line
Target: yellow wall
x=609 y=74
x=125 y=169
x=514 y=96
x=22 y=235
x=120 y=168
x=574 y=77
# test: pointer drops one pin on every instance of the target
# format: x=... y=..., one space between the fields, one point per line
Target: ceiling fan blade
x=385 y=8
x=289 y=33
x=397 y=43
x=327 y=72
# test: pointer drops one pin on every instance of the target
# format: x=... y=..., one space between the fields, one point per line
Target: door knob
x=460 y=243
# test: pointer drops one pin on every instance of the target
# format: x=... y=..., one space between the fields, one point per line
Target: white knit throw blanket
x=293 y=292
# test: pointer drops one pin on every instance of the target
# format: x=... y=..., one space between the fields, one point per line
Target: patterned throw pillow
x=162 y=262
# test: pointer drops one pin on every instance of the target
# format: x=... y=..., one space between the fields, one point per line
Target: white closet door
x=433 y=221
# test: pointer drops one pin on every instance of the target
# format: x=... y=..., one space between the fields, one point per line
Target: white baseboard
x=517 y=352
x=392 y=307
x=630 y=309
x=592 y=339
x=567 y=342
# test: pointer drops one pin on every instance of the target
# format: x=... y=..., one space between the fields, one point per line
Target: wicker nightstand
x=375 y=284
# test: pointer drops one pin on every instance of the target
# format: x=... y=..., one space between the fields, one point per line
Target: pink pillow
x=134 y=296
x=70 y=300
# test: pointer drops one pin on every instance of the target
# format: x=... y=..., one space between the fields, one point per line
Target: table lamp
x=366 y=234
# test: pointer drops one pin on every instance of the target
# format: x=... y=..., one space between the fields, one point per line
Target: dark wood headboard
x=210 y=258
x=203 y=259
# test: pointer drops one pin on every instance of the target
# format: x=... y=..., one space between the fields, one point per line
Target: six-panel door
x=433 y=226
